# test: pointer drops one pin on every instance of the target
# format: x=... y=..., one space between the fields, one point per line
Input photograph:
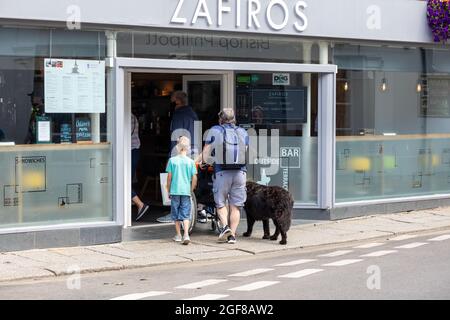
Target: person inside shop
x=135 y=154
x=258 y=115
x=183 y=124
x=183 y=118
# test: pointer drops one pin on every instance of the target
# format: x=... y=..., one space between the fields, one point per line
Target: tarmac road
x=409 y=267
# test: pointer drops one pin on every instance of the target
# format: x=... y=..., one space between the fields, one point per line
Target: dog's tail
x=284 y=214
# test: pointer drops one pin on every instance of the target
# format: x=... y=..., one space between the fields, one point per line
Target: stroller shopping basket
x=205 y=197
x=204 y=191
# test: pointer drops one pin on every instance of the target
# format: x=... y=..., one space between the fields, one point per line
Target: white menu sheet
x=74 y=86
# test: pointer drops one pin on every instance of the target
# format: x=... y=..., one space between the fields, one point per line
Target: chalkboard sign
x=83 y=130
x=435 y=97
x=279 y=105
x=66 y=133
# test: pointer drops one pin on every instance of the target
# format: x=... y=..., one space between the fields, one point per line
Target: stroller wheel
x=193 y=213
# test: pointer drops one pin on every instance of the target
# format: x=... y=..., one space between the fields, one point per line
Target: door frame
x=124 y=67
x=224 y=92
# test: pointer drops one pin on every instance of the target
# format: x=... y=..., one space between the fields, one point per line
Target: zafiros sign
x=249 y=14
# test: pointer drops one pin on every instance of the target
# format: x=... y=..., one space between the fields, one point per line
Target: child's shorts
x=180 y=208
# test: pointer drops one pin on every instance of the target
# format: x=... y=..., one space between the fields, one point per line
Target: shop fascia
x=254 y=15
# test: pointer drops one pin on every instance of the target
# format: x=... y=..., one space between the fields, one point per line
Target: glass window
x=280 y=111
x=56 y=165
x=392 y=122
x=212 y=46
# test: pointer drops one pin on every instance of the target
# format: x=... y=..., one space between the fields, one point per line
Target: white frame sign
x=74 y=86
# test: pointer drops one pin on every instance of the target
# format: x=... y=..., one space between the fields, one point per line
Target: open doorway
x=151 y=104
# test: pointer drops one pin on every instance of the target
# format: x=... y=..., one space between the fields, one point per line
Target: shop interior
x=152 y=107
x=151 y=93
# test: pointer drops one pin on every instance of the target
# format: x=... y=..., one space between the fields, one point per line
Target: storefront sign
x=382 y=20
x=290 y=158
x=249 y=14
x=31 y=174
x=187 y=41
x=281 y=79
x=74 y=86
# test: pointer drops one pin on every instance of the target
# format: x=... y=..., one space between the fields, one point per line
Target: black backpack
x=234 y=148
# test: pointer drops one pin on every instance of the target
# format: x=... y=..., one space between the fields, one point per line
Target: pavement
x=48 y=263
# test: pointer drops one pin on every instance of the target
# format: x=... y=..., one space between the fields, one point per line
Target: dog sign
x=290 y=157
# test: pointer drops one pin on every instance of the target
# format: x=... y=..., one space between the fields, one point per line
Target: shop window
x=55 y=128
x=392 y=122
x=280 y=110
x=177 y=45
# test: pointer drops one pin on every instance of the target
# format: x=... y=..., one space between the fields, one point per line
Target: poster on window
x=74 y=86
x=435 y=97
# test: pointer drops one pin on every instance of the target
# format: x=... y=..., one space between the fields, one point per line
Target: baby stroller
x=204 y=194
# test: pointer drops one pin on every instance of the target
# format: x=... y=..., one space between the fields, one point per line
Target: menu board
x=74 y=86
x=435 y=97
x=83 y=130
x=279 y=105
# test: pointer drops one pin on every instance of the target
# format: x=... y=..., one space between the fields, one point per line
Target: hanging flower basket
x=438 y=13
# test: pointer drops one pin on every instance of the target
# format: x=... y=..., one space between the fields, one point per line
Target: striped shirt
x=135 y=142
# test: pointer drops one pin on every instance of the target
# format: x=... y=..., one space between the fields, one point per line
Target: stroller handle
x=204 y=167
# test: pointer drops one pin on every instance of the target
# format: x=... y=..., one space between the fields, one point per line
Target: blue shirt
x=182 y=169
x=183 y=118
x=218 y=131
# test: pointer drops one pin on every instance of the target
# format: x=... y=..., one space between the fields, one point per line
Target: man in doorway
x=182 y=124
x=227 y=144
x=183 y=121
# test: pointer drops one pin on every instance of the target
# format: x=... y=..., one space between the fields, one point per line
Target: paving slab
x=13 y=273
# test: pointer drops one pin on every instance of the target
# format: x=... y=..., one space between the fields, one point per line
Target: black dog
x=264 y=203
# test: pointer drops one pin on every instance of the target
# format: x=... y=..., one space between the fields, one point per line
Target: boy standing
x=181 y=181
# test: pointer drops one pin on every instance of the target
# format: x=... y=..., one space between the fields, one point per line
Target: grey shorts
x=230 y=185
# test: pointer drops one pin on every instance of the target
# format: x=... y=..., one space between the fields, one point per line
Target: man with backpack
x=226 y=145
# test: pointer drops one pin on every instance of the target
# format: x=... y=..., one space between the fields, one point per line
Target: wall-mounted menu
x=74 y=86
x=279 y=105
x=435 y=97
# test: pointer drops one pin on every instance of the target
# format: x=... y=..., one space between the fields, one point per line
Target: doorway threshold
x=152 y=225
